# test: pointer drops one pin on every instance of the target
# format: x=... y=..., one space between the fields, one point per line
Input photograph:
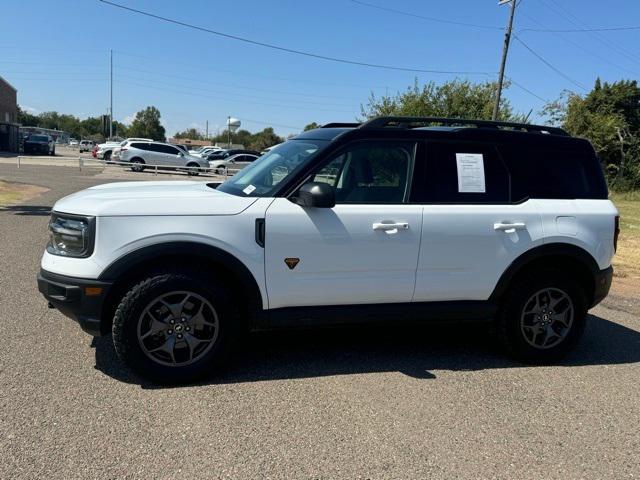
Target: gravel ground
x=415 y=403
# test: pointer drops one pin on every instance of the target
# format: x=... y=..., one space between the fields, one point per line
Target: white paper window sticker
x=249 y=189
x=470 y=173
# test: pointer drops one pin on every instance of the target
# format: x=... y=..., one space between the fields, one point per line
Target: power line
x=430 y=19
x=182 y=92
x=241 y=87
x=575 y=44
x=522 y=87
x=286 y=49
x=580 y=30
x=241 y=95
x=548 y=64
x=567 y=15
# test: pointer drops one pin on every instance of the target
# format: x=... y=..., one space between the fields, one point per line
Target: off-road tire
x=508 y=321
x=132 y=306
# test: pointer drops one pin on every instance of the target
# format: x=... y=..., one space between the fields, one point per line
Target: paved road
x=417 y=403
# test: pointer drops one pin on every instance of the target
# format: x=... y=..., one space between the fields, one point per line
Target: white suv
x=160 y=155
x=393 y=219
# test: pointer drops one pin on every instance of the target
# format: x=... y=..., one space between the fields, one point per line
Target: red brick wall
x=8 y=103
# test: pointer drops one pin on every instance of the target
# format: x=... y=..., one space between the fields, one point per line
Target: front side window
x=263 y=177
x=369 y=172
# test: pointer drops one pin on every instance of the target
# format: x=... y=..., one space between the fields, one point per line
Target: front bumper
x=603 y=283
x=80 y=299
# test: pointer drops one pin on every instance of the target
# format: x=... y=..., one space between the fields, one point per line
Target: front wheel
x=137 y=165
x=543 y=316
x=174 y=327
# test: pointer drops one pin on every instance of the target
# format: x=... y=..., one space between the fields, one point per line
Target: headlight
x=71 y=235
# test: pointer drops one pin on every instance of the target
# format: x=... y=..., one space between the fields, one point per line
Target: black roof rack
x=406 y=122
x=341 y=125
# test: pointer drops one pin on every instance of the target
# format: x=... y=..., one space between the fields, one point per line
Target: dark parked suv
x=40 y=144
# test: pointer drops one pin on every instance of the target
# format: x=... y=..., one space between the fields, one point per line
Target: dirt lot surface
x=375 y=403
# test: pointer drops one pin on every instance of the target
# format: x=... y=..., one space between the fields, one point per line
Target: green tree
x=311 y=126
x=452 y=99
x=147 y=125
x=26 y=118
x=609 y=117
x=190 y=133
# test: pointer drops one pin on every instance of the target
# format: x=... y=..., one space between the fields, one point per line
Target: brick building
x=9 y=128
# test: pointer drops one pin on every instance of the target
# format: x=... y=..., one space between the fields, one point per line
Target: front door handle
x=390 y=227
x=509 y=227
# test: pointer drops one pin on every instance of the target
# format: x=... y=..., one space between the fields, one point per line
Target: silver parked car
x=165 y=156
x=234 y=162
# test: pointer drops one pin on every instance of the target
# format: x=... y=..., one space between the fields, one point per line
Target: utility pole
x=206 y=135
x=229 y=130
x=505 y=49
x=111 y=96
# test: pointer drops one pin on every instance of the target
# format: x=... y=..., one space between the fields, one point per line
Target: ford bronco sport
x=397 y=218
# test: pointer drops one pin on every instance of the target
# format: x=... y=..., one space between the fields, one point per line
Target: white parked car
x=86 y=145
x=205 y=151
x=73 y=142
x=392 y=220
x=115 y=153
x=163 y=155
x=105 y=149
x=233 y=162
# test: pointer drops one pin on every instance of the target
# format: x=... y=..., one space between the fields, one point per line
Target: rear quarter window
x=551 y=173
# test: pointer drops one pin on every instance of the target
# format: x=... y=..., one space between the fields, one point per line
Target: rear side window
x=554 y=174
x=461 y=172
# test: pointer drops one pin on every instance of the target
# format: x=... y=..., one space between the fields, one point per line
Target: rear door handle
x=390 y=227
x=509 y=227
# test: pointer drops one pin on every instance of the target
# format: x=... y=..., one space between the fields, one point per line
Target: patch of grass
x=627 y=259
x=12 y=193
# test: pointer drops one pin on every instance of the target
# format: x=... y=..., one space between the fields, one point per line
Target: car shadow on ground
x=28 y=210
x=415 y=351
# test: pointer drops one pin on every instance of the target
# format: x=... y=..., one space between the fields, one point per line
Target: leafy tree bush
x=609 y=117
x=453 y=99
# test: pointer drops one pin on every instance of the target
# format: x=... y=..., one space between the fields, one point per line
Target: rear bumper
x=77 y=298
x=603 y=283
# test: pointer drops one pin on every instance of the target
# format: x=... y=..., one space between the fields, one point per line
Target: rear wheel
x=221 y=170
x=137 y=165
x=174 y=327
x=192 y=169
x=107 y=156
x=543 y=316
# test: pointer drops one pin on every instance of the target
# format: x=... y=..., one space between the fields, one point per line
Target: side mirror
x=315 y=194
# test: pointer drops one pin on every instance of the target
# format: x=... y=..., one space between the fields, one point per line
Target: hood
x=152 y=198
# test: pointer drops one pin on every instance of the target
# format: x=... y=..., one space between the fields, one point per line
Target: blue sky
x=57 y=55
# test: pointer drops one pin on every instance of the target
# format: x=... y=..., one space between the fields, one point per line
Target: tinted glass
x=445 y=177
x=141 y=146
x=370 y=172
x=554 y=173
x=38 y=138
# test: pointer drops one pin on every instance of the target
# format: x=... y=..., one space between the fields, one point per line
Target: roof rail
x=341 y=125
x=405 y=122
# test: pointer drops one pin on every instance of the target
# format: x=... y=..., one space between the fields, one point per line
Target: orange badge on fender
x=291 y=262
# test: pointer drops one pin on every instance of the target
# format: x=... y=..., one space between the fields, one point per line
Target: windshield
x=38 y=138
x=261 y=178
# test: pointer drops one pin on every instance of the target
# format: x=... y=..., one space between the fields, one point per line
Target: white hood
x=152 y=198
